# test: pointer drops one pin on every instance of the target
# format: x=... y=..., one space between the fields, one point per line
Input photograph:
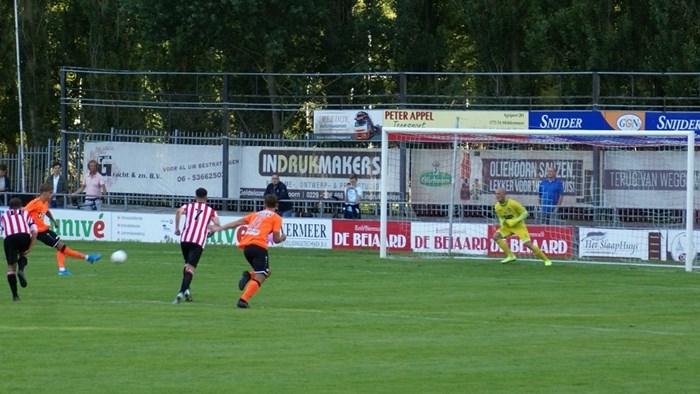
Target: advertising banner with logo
x=434 y=238
x=159 y=228
x=316 y=174
x=367 y=124
x=554 y=241
x=348 y=124
x=639 y=179
x=301 y=233
x=471 y=239
x=481 y=172
x=456 y=119
x=309 y=173
x=364 y=234
x=84 y=225
x=675 y=245
x=161 y=168
x=673 y=121
x=308 y=233
x=616 y=243
x=586 y=120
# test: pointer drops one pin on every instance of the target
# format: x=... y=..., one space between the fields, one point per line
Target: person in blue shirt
x=551 y=193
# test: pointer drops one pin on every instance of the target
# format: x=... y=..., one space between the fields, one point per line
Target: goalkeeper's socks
x=250 y=290
x=504 y=246
x=538 y=252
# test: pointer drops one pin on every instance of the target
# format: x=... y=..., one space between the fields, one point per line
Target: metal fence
x=96 y=99
x=38 y=161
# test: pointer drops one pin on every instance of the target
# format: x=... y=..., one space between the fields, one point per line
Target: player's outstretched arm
x=214 y=228
x=279 y=236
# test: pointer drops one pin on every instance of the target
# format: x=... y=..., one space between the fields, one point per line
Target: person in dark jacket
x=60 y=187
x=279 y=189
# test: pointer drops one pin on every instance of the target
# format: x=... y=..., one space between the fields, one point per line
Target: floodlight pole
x=19 y=100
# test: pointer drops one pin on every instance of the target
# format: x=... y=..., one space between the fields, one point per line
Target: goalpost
x=629 y=194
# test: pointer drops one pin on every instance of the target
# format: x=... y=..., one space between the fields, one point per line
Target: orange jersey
x=37 y=209
x=260 y=225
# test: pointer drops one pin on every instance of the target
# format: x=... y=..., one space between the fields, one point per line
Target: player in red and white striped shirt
x=198 y=217
x=20 y=234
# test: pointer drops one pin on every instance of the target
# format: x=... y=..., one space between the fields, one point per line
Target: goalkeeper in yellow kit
x=512 y=216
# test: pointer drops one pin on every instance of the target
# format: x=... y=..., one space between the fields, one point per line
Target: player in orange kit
x=254 y=244
x=38 y=208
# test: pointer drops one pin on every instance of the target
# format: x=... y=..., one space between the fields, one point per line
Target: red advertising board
x=364 y=234
x=555 y=241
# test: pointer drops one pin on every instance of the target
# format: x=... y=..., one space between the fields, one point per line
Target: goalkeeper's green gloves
x=502 y=221
x=513 y=222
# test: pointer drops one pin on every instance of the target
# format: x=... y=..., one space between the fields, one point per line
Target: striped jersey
x=198 y=216
x=16 y=221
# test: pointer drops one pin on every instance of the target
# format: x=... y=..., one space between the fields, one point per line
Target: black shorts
x=49 y=238
x=351 y=211
x=192 y=252
x=257 y=258
x=14 y=245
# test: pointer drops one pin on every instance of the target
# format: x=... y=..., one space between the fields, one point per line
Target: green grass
x=347 y=322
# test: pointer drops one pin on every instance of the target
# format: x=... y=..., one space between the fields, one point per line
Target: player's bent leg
x=501 y=242
x=538 y=252
x=245 y=278
x=12 y=281
x=187 y=275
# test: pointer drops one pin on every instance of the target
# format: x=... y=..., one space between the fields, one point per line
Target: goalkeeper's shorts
x=519 y=231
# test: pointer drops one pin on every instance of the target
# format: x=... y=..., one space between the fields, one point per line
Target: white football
x=118 y=256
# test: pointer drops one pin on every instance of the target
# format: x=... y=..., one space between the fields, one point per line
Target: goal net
x=627 y=197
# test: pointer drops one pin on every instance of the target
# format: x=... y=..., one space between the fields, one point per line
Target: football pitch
x=348 y=322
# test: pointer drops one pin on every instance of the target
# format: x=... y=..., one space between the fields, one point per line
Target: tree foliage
x=320 y=38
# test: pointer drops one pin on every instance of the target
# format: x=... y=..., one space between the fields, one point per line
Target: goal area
x=628 y=195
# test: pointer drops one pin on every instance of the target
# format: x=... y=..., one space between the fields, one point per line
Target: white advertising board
x=158 y=228
x=675 y=245
x=161 y=168
x=638 y=179
x=618 y=243
x=468 y=239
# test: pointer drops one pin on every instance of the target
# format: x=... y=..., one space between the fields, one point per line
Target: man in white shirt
x=94 y=187
x=353 y=197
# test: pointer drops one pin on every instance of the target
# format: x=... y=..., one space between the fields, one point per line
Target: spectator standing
x=353 y=197
x=94 y=187
x=5 y=184
x=59 y=185
x=551 y=193
x=279 y=189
